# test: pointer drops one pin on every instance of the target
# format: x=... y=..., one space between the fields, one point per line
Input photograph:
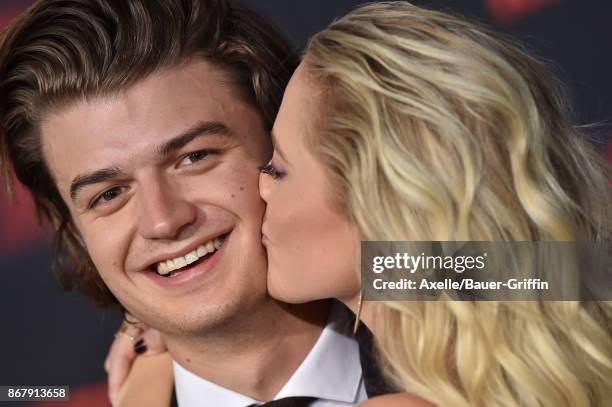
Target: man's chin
x=194 y=319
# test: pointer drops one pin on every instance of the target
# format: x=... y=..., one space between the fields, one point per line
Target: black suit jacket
x=375 y=382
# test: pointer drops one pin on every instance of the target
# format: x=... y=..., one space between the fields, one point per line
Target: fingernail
x=140 y=346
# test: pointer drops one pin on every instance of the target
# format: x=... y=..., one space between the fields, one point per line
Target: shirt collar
x=331 y=371
x=192 y=390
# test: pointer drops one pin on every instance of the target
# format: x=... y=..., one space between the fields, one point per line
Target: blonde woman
x=409 y=124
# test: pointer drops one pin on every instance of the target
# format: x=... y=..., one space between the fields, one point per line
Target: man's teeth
x=166 y=267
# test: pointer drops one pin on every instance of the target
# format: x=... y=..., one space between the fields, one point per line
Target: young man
x=139 y=127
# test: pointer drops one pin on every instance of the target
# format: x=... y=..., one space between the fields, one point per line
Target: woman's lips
x=264 y=228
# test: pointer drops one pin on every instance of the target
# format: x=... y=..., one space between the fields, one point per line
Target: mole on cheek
x=242 y=188
x=233 y=196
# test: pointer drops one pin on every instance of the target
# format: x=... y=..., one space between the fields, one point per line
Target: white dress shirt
x=331 y=372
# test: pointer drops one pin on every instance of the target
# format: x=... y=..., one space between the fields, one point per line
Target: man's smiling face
x=163 y=178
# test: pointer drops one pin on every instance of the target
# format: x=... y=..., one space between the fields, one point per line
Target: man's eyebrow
x=175 y=143
x=95 y=177
x=200 y=129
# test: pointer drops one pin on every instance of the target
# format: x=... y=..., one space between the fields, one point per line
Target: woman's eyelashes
x=270 y=170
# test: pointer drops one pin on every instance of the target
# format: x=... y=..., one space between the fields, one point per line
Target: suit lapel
x=375 y=382
x=173 y=402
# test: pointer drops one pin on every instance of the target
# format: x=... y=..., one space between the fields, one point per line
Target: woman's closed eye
x=270 y=170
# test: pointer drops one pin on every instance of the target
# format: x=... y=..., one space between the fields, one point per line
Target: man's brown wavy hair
x=61 y=51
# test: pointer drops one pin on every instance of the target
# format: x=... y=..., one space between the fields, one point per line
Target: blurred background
x=50 y=337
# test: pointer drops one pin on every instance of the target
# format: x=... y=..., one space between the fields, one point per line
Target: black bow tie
x=287 y=402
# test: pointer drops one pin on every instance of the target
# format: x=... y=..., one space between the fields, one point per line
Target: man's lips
x=190 y=276
x=152 y=264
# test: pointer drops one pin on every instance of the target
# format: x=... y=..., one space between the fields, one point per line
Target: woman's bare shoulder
x=396 y=400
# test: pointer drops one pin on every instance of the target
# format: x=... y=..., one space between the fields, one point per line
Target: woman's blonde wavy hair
x=439 y=129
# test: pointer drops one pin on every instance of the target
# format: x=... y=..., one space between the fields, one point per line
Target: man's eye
x=196 y=156
x=107 y=196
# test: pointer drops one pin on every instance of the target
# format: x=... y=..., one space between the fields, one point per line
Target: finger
x=122 y=357
x=130 y=331
x=121 y=360
x=154 y=342
x=123 y=340
x=112 y=353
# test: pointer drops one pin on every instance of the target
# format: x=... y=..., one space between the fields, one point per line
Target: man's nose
x=164 y=212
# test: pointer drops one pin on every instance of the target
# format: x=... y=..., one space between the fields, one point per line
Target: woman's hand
x=130 y=341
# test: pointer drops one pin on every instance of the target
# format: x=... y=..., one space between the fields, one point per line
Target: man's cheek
x=105 y=248
x=246 y=187
x=237 y=188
